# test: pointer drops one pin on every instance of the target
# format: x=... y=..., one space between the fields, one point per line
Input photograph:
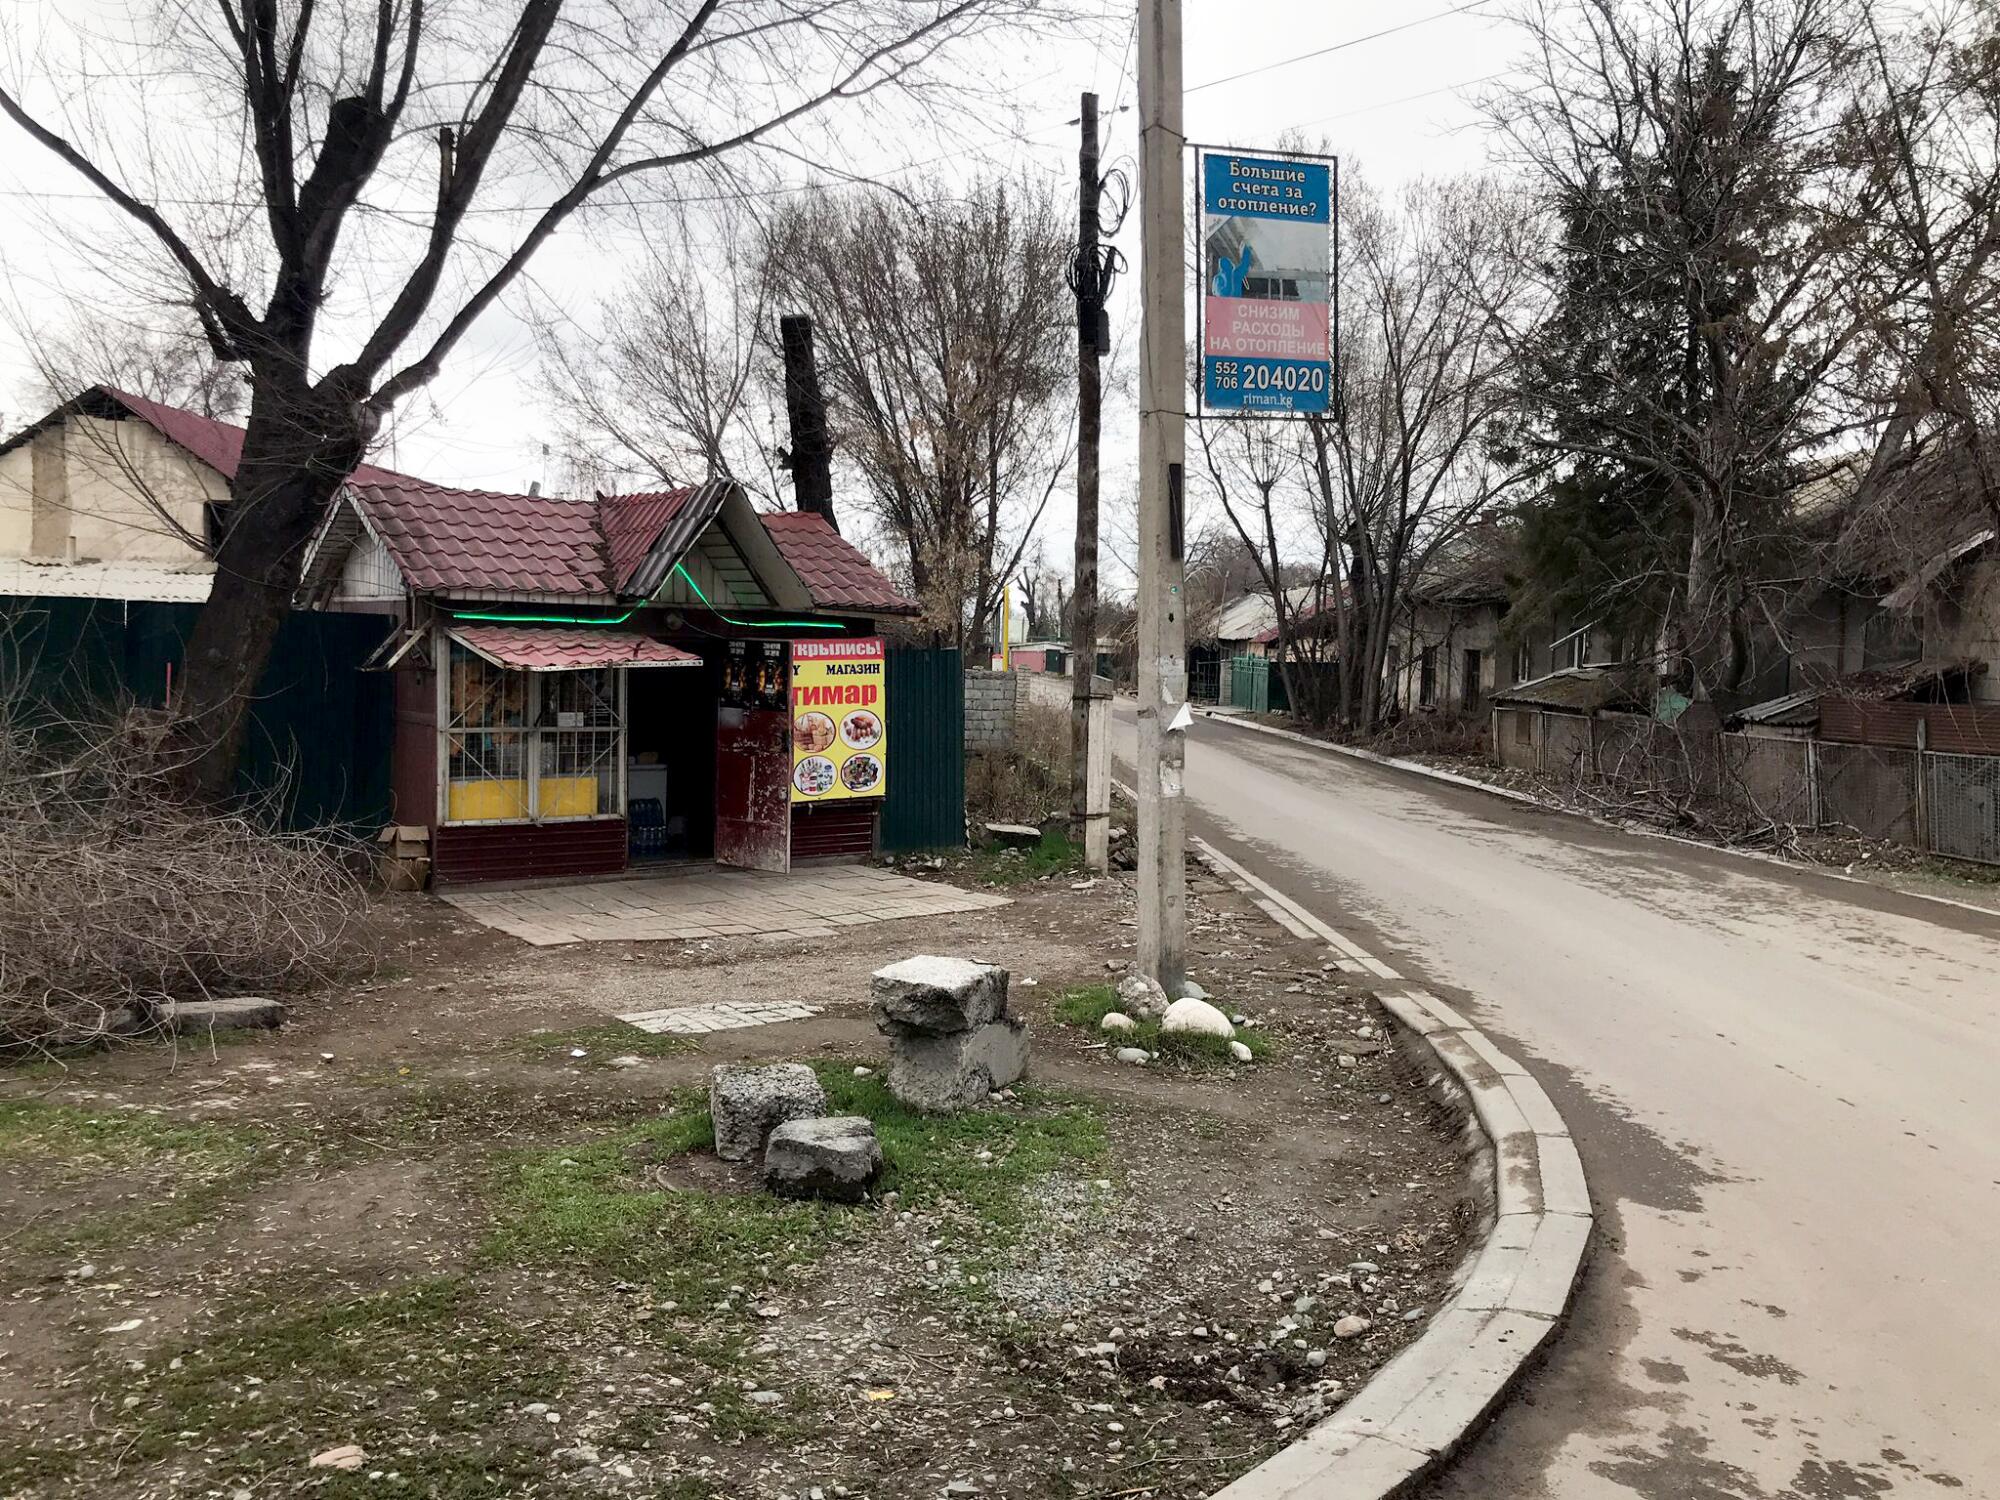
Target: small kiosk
x=583 y=687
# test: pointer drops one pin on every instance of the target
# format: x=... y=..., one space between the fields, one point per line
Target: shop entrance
x=670 y=764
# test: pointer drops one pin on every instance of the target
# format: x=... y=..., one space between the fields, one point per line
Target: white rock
x=1240 y=1052
x=347 y=1456
x=1116 y=1020
x=1142 y=997
x=1138 y=1057
x=1351 y=1328
x=1196 y=1018
x=1192 y=991
x=1317 y=1359
x=629 y=1060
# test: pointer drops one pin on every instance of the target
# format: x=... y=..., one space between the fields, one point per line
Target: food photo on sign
x=1267 y=292
x=839 y=726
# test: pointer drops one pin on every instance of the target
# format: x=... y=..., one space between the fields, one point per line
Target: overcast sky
x=1396 y=105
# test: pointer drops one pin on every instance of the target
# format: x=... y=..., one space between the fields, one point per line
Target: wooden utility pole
x=1162 y=451
x=1089 y=812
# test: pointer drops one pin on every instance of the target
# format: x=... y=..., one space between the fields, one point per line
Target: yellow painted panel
x=569 y=796
x=486 y=800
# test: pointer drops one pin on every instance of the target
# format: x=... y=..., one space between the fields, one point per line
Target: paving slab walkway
x=714 y=903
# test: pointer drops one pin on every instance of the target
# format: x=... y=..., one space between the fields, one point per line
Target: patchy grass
x=420 y=1376
x=601 y=1043
x=119 y=1140
x=1087 y=1007
x=195 y=1169
x=931 y=1158
x=603 y=1203
x=592 y=1204
x=1056 y=854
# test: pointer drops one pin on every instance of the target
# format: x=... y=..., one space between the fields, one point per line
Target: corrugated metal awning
x=555 y=648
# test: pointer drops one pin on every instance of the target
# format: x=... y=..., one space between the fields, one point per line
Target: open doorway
x=670 y=764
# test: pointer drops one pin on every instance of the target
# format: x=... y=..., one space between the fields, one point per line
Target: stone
x=946 y=1074
x=1013 y=835
x=1351 y=1327
x=240 y=1013
x=1316 y=1359
x=1240 y=1052
x=1196 y=1018
x=937 y=996
x=836 y=1158
x=1138 y=1057
x=749 y=1102
x=1117 y=1020
x=1142 y=997
x=348 y=1456
x=1192 y=991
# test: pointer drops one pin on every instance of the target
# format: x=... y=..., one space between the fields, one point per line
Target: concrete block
x=835 y=1158
x=937 y=996
x=747 y=1103
x=1542 y=1115
x=946 y=1074
x=240 y=1013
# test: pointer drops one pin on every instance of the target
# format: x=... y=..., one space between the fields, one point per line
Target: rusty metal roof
x=1577 y=690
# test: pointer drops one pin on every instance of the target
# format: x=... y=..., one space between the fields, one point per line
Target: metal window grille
x=532 y=746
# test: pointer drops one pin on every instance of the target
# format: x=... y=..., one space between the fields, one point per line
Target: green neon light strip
x=688 y=578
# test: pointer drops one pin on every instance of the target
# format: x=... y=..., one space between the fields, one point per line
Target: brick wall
x=992 y=702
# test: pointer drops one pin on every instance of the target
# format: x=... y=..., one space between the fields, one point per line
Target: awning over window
x=555 y=648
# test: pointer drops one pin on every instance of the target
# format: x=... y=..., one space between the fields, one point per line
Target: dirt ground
x=458 y=1215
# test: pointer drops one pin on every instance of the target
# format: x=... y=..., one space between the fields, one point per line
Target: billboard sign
x=840 y=738
x=1267 y=228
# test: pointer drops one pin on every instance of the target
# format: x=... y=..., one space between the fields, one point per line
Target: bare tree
x=1704 y=351
x=1436 y=293
x=666 y=385
x=1924 y=133
x=409 y=163
x=944 y=346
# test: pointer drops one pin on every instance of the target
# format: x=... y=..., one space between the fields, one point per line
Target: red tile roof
x=542 y=648
x=632 y=523
x=217 y=444
x=445 y=539
x=836 y=573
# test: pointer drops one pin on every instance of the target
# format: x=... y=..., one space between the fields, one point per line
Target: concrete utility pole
x=1089 y=805
x=1162 y=439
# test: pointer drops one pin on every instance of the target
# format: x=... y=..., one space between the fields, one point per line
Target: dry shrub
x=1029 y=780
x=116 y=895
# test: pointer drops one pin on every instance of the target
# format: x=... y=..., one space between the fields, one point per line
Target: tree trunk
x=277 y=500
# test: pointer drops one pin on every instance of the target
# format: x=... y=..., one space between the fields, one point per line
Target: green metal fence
x=1250 y=683
x=320 y=729
x=924 y=807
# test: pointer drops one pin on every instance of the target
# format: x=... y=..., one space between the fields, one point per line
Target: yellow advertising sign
x=840 y=735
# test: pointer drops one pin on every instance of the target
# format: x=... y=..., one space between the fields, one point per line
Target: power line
x=1373 y=36
x=1345 y=114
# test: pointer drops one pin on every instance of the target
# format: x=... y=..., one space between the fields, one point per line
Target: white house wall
x=369 y=574
x=95 y=490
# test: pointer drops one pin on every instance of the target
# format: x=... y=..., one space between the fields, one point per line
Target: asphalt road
x=1786 y=1091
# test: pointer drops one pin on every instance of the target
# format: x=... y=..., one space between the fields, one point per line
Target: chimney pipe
x=811 y=456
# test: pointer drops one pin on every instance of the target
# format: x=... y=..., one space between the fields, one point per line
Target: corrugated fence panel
x=320 y=728
x=1954 y=728
x=925 y=805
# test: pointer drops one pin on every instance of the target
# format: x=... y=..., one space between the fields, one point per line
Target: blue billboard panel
x=1267 y=229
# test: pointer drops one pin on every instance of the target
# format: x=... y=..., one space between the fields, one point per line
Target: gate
x=1964 y=806
x=1250 y=683
x=924 y=807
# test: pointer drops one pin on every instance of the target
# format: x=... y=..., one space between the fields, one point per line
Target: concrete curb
x=1425 y=1403
x=1473 y=783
